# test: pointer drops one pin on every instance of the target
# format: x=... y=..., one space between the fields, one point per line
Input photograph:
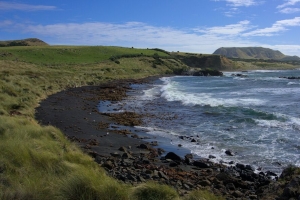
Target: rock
x=229 y=152
x=230 y=186
x=240 y=166
x=211 y=157
x=124 y=149
x=189 y=155
x=173 y=164
x=154 y=143
x=193 y=140
x=131 y=177
x=126 y=155
x=143 y=146
x=204 y=183
x=173 y=156
x=141 y=179
x=115 y=154
x=108 y=164
x=252 y=196
x=249 y=167
x=162 y=175
x=201 y=164
x=237 y=194
x=160 y=151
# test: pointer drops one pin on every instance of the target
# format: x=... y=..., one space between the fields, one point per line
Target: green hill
x=25 y=42
x=253 y=53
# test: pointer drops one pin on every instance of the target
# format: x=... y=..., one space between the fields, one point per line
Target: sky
x=196 y=26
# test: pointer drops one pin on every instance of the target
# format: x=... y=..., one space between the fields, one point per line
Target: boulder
x=173 y=156
x=229 y=152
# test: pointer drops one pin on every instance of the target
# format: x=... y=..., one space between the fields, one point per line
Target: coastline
x=133 y=160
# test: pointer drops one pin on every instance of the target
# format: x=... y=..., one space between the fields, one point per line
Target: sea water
x=256 y=116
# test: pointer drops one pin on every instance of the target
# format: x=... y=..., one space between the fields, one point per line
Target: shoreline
x=133 y=160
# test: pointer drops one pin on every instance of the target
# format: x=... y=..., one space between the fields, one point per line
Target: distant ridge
x=253 y=53
x=24 y=42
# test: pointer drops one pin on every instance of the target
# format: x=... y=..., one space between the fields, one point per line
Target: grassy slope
x=38 y=162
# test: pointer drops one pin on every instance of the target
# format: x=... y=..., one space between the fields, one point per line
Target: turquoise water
x=256 y=116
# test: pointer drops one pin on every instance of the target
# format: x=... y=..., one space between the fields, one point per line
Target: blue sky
x=199 y=26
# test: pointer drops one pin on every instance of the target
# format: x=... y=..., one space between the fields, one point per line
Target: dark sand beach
x=131 y=159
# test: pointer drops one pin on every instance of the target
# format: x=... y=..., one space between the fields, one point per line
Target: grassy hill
x=25 y=42
x=253 y=53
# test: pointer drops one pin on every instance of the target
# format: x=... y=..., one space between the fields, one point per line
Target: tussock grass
x=154 y=191
x=203 y=195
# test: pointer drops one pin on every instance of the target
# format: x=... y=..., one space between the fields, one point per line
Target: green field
x=57 y=55
x=38 y=162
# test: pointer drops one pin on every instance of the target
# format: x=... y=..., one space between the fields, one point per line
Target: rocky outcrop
x=238 y=181
x=203 y=72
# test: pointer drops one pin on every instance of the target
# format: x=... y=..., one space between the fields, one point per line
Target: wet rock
x=124 y=149
x=115 y=154
x=173 y=164
x=229 y=152
x=143 y=146
x=173 y=156
x=126 y=155
x=211 y=157
x=201 y=164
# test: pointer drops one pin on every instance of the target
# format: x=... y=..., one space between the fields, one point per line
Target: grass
x=71 y=55
x=203 y=195
x=154 y=191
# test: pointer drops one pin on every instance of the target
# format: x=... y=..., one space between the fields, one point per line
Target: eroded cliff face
x=207 y=61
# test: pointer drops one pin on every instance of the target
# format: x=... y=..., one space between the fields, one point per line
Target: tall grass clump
x=202 y=195
x=154 y=191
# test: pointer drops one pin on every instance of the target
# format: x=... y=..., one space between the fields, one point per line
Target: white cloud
x=277 y=27
x=5 y=23
x=4 y=5
x=230 y=30
x=239 y=3
x=288 y=3
x=286 y=7
x=289 y=10
x=289 y=50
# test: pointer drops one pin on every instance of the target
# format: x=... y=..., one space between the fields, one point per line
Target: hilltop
x=254 y=53
x=24 y=42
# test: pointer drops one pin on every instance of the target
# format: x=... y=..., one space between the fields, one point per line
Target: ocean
x=256 y=116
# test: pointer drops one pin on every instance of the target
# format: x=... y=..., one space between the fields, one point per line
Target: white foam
x=171 y=94
x=270 y=123
x=293 y=83
x=151 y=93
